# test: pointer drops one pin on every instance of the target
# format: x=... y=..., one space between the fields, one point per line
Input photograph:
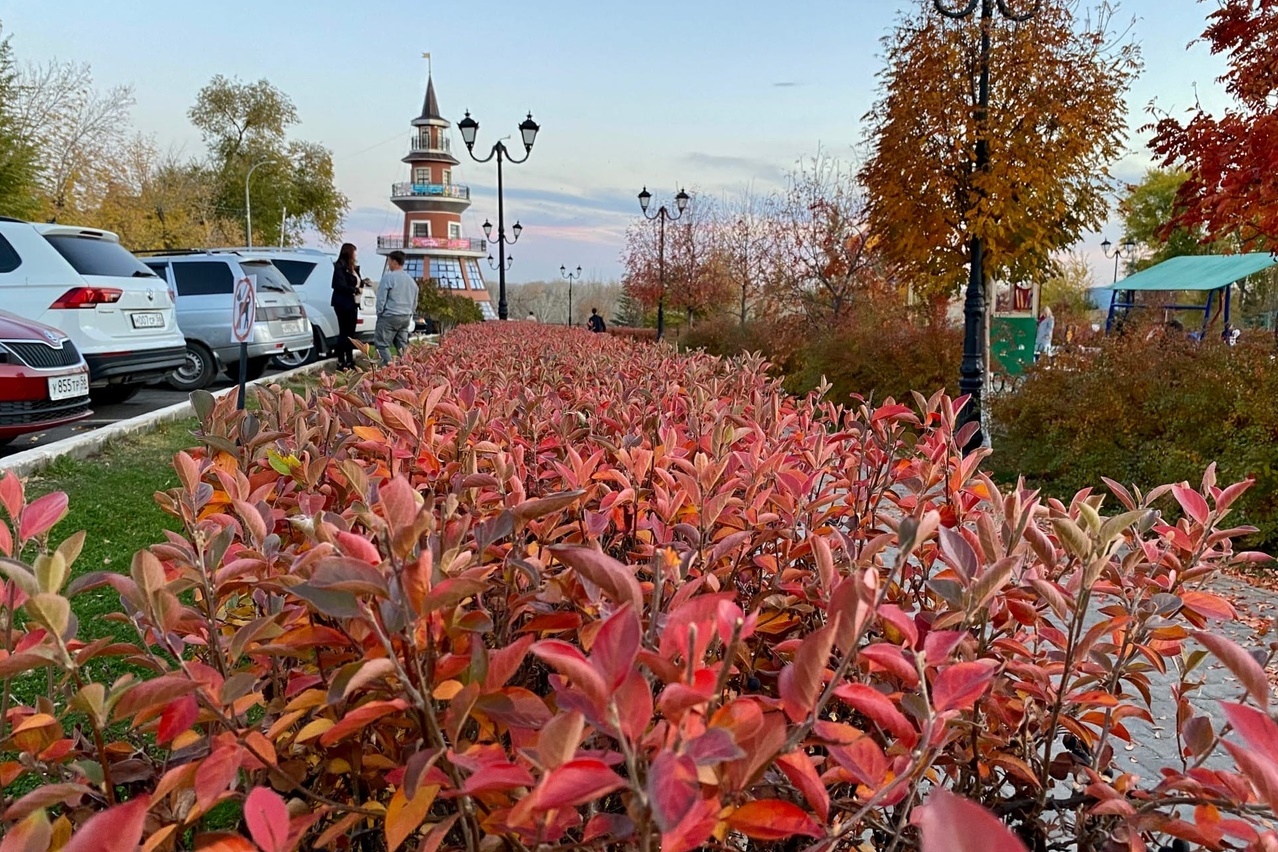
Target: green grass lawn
x=112 y=498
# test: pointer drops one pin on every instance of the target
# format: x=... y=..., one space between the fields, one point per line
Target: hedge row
x=541 y=589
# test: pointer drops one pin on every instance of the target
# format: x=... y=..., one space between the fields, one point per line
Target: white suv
x=310 y=271
x=82 y=281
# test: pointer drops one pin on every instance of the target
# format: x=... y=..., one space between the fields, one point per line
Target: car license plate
x=68 y=387
x=148 y=319
x=291 y=327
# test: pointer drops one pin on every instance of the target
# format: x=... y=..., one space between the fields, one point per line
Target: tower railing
x=397 y=241
x=417 y=144
x=429 y=190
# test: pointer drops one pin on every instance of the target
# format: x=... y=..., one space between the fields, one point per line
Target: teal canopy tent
x=1201 y=273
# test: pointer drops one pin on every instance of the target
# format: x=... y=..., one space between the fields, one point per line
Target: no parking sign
x=244 y=309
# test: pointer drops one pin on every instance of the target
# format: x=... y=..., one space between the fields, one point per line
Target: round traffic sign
x=244 y=310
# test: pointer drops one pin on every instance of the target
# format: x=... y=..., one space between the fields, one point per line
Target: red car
x=44 y=381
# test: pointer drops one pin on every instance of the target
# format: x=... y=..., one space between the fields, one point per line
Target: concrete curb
x=30 y=461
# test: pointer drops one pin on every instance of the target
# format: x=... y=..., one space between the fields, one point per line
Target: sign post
x=243 y=314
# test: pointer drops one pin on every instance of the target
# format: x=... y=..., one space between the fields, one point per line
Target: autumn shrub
x=629 y=333
x=543 y=589
x=1148 y=408
x=877 y=352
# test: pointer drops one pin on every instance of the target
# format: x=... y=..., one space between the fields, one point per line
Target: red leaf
x=616 y=646
x=504 y=662
x=398 y=497
x=1192 y=502
x=901 y=629
x=800 y=682
x=773 y=819
x=358 y=547
x=1243 y=665
x=152 y=694
x=266 y=816
x=672 y=788
x=11 y=494
x=890 y=658
x=215 y=775
x=177 y=718
x=32 y=834
x=118 y=829
x=877 y=707
x=41 y=514
x=1257 y=729
x=694 y=829
x=576 y=783
x=616 y=579
x=497 y=777
x=572 y=664
x=798 y=767
x=959 y=686
x=949 y=823
x=360 y=718
x=634 y=706
x=864 y=759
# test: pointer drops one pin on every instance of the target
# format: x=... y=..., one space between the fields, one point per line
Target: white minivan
x=83 y=282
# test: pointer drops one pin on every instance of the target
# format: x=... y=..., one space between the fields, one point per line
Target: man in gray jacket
x=396 y=304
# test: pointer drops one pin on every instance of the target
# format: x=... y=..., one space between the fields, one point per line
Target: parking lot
x=149 y=399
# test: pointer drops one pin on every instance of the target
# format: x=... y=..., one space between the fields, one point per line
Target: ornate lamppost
x=661 y=216
x=972 y=370
x=528 y=132
x=1126 y=250
x=571 y=276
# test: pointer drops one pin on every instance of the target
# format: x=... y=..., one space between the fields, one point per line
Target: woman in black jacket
x=345 y=304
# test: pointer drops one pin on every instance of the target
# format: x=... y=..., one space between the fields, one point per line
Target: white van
x=84 y=283
x=205 y=285
x=310 y=271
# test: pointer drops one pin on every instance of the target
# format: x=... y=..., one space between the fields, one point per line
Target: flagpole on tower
x=426 y=56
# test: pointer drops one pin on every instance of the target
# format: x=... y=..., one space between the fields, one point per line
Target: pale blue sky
x=661 y=93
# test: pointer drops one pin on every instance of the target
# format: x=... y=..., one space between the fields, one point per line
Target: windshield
x=93 y=256
x=268 y=277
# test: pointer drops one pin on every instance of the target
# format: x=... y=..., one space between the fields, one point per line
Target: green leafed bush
x=1144 y=409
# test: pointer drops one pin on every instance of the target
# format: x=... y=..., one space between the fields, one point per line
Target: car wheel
x=293 y=360
x=198 y=372
x=113 y=394
x=256 y=367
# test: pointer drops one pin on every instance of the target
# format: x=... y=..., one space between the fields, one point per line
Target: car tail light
x=87 y=297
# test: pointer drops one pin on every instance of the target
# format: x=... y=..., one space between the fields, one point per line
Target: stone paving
x=1155 y=746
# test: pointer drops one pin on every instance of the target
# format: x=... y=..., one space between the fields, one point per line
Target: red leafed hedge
x=539 y=588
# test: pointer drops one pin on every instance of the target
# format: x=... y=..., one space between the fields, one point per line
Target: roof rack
x=170 y=251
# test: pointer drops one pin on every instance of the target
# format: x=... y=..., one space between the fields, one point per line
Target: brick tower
x=433 y=204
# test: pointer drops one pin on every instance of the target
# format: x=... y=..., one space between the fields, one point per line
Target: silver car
x=205 y=284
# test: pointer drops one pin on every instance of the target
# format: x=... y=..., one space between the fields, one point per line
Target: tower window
x=421 y=229
x=454 y=230
x=421 y=175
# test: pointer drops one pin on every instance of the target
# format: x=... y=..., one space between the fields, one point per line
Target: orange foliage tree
x=1231 y=160
x=1056 y=121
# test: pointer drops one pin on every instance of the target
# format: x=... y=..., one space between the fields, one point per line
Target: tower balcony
x=464 y=244
x=419 y=145
x=429 y=191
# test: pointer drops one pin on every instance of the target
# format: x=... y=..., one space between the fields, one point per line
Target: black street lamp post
x=1126 y=250
x=662 y=214
x=528 y=132
x=972 y=370
x=571 y=276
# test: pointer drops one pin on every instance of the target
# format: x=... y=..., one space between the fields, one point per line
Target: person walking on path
x=531 y=317
x=1043 y=340
x=596 y=322
x=396 y=303
x=345 y=302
